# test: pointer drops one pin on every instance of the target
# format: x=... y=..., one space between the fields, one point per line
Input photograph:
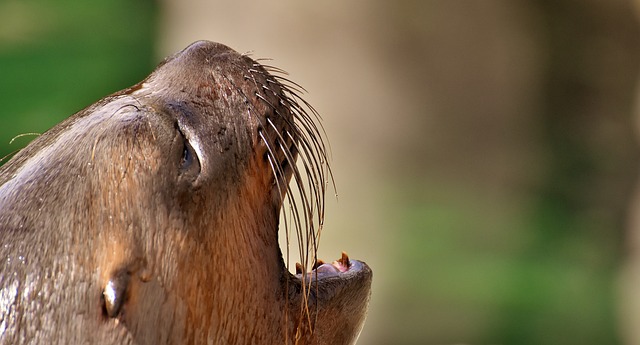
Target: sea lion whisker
x=316 y=176
x=309 y=130
x=294 y=212
x=303 y=245
x=314 y=121
x=310 y=134
x=322 y=151
x=146 y=115
x=288 y=83
x=279 y=78
x=293 y=140
x=280 y=174
x=277 y=170
x=22 y=135
x=289 y=154
x=286 y=229
x=302 y=116
x=314 y=148
x=252 y=77
x=9 y=154
x=272 y=69
x=266 y=88
x=307 y=208
x=103 y=131
x=261 y=59
x=300 y=113
x=299 y=182
x=308 y=159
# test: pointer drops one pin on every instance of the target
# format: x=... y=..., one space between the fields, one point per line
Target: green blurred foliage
x=56 y=57
x=551 y=289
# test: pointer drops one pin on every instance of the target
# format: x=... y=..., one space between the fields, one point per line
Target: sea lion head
x=152 y=216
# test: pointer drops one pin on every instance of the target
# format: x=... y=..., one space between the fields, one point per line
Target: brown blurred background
x=484 y=150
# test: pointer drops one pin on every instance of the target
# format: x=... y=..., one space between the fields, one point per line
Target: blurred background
x=484 y=151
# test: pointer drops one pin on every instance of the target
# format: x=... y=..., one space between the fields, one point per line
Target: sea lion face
x=151 y=217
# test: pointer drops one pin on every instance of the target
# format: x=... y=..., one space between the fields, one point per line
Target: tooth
x=298 y=268
x=345 y=260
x=318 y=263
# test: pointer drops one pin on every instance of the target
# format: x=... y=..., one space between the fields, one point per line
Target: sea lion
x=151 y=217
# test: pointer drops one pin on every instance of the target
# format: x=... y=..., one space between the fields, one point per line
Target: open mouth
x=341 y=265
x=336 y=269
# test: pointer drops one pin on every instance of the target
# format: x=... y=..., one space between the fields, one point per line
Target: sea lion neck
x=233 y=274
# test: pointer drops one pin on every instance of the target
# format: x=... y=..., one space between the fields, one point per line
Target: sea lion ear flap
x=115 y=293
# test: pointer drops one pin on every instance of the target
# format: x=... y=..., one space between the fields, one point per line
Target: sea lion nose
x=204 y=52
x=195 y=70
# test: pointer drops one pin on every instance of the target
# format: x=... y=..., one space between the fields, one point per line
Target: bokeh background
x=485 y=151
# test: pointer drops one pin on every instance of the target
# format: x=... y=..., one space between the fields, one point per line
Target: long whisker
x=293 y=131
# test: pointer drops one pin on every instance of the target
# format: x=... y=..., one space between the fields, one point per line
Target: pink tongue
x=334 y=267
x=327 y=268
x=340 y=265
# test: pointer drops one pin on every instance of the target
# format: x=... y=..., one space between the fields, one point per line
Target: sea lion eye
x=187 y=156
x=189 y=162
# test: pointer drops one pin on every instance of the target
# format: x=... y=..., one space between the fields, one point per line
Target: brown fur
x=151 y=217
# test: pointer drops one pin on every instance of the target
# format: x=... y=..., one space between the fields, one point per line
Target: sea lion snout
x=152 y=216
